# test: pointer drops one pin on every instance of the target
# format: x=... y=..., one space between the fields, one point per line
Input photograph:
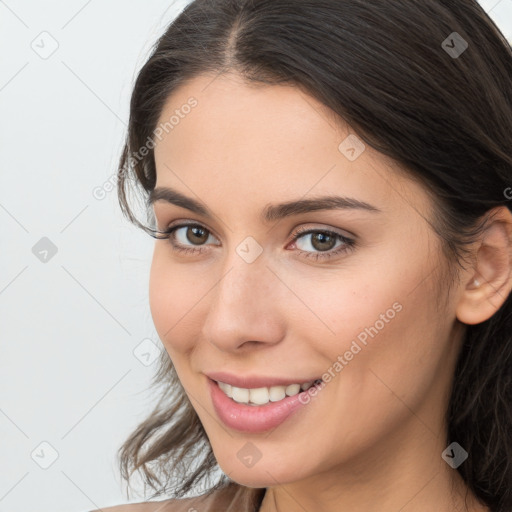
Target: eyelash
x=348 y=243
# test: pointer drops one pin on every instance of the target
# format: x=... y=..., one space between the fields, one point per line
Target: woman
x=329 y=183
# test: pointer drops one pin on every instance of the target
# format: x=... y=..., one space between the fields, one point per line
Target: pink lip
x=250 y=382
x=248 y=418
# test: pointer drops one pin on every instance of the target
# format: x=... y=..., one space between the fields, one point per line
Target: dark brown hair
x=385 y=69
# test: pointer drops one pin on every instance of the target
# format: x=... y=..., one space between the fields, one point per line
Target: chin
x=261 y=473
x=257 y=478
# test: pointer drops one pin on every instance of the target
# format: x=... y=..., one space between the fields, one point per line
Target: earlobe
x=491 y=281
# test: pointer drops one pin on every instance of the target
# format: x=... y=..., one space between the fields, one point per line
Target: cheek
x=393 y=349
x=173 y=300
x=378 y=315
x=347 y=305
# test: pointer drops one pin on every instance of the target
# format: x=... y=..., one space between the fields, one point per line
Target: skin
x=372 y=438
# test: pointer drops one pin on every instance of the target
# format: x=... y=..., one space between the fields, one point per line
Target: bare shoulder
x=230 y=498
x=172 y=505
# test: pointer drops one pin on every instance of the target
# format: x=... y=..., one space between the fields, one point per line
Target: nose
x=246 y=307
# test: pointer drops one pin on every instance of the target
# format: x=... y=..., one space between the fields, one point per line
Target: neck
x=403 y=472
x=399 y=475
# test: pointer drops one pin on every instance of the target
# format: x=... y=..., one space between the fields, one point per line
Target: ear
x=492 y=270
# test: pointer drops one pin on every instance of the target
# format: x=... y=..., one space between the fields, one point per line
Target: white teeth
x=277 y=393
x=240 y=394
x=227 y=388
x=261 y=396
x=292 y=389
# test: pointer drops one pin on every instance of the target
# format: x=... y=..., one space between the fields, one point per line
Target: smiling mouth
x=264 y=395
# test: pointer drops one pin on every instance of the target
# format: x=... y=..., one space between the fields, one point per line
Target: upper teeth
x=261 y=396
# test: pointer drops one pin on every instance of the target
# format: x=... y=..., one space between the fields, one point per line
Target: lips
x=254 y=381
x=252 y=417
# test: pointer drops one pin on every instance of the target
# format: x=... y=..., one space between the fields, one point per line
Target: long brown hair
x=443 y=111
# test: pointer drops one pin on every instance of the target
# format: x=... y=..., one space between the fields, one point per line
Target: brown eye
x=193 y=238
x=318 y=240
x=187 y=238
x=322 y=241
x=196 y=234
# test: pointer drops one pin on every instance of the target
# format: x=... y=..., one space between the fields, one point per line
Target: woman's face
x=269 y=308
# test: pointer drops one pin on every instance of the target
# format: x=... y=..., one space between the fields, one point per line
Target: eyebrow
x=271 y=212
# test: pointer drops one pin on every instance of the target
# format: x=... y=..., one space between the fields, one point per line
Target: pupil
x=195 y=230
x=323 y=237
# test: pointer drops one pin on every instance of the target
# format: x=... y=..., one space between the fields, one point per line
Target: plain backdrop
x=77 y=340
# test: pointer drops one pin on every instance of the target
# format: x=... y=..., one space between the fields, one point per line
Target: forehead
x=247 y=116
x=260 y=140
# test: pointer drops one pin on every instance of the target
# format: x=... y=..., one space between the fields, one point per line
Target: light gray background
x=75 y=328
